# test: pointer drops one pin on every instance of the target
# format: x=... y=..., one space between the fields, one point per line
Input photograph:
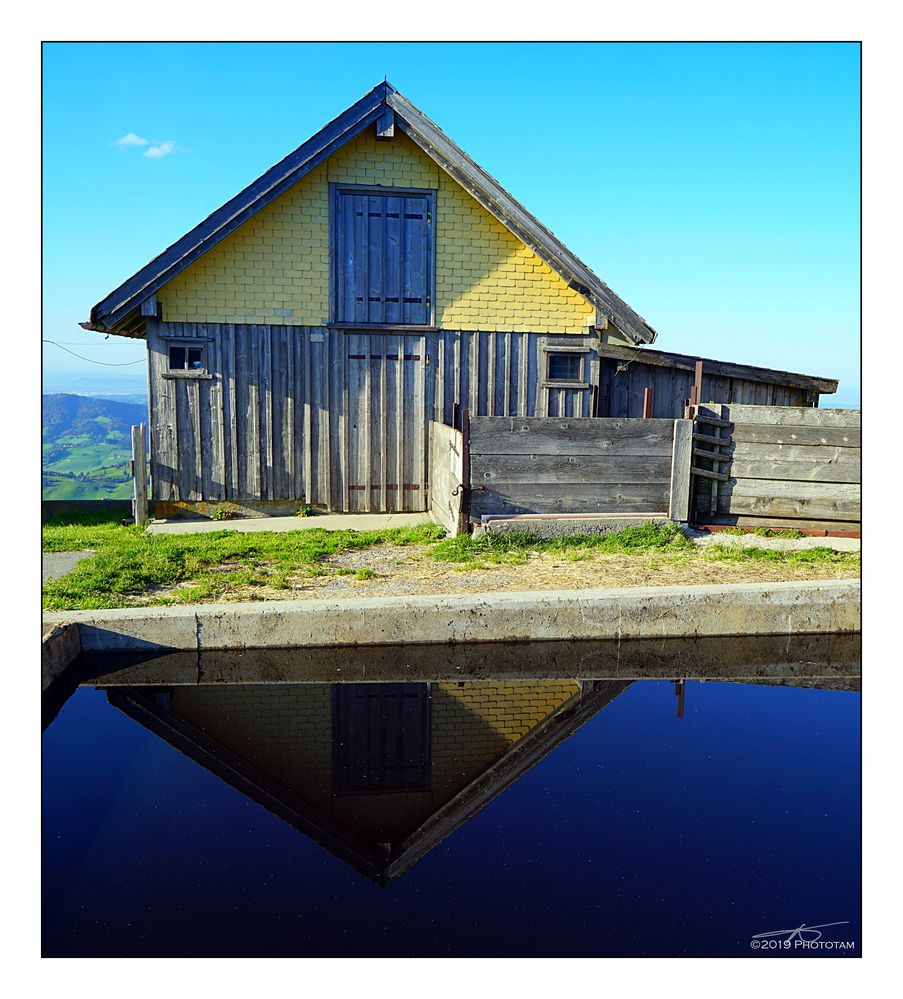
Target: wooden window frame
x=335 y=191
x=188 y=343
x=549 y=382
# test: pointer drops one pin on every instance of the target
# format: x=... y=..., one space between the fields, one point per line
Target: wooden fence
x=578 y=466
x=777 y=466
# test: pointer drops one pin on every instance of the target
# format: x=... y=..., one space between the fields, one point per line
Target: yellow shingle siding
x=275 y=268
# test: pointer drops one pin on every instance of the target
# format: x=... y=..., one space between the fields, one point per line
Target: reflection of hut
x=378 y=774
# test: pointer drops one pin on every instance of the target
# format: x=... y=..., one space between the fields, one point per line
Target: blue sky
x=714 y=187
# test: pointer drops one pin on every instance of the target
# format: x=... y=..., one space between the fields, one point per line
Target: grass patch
x=515 y=546
x=765 y=532
x=825 y=556
x=129 y=562
x=75 y=532
x=130 y=566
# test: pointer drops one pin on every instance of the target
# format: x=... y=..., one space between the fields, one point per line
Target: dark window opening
x=565 y=367
x=183 y=357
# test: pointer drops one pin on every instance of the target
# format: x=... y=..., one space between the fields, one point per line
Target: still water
x=552 y=800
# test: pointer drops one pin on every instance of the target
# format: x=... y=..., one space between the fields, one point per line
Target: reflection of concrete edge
x=378 y=865
x=753 y=658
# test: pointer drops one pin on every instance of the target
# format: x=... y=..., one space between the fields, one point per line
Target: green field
x=86 y=447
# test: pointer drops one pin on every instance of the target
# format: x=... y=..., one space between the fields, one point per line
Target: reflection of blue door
x=380 y=737
x=383 y=255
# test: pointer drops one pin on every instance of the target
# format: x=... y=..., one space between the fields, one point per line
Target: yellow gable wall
x=275 y=268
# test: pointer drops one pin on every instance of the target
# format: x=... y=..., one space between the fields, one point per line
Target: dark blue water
x=640 y=834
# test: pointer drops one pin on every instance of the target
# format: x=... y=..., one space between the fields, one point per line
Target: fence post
x=139 y=474
x=696 y=389
x=681 y=459
x=647 y=403
x=465 y=471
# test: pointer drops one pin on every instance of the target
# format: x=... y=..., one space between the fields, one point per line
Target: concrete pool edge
x=816 y=607
x=60 y=645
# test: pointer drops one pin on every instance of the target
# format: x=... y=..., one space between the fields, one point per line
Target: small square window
x=565 y=367
x=186 y=357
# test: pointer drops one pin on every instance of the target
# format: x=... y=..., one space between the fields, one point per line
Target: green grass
x=765 y=532
x=514 y=547
x=129 y=562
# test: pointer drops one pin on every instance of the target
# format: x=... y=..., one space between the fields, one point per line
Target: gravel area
x=56 y=564
x=411 y=571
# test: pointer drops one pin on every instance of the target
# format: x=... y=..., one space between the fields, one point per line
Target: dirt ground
x=409 y=571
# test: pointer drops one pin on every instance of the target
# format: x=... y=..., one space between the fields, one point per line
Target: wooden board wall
x=591 y=465
x=340 y=419
x=791 y=466
x=333 y=418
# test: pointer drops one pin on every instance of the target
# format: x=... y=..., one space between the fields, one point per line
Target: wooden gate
x=383 y=451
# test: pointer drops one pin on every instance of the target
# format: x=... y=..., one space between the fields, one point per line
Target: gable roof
x=120 y=311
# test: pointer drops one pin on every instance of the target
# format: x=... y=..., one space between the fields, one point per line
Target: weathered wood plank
x=707 y=473
x=679 y=492
x=763 y=434
x=803 y=454
x=794 y=416
x=398 y=499
x=535 y=435
x=795 y=471
x=791 y=499
x=139 y=473
x=576 y=498
x=446 y=476
x=566 y=469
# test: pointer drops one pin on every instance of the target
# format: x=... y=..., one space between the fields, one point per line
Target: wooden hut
x=301 y=337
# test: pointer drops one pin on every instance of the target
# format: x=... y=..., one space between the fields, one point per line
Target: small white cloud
x=131 y=139
x=161 y=149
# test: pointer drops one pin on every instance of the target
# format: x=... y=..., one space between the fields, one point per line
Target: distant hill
x=86 y=446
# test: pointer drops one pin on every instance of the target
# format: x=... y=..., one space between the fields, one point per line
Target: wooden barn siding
x=793 y=467
x=542 y=465
x=323 y=417
x=621 y=393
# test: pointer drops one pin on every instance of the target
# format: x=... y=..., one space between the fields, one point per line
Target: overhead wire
x=90 y=360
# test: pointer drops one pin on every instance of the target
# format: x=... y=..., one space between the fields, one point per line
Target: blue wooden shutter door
x=382 y=259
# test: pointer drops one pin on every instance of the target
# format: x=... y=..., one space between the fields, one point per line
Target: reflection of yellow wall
x=286 y=732
x=275 y=267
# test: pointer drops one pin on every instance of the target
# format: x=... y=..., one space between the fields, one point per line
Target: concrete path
x=704 y=540
x=328 y=522
x=56 y=564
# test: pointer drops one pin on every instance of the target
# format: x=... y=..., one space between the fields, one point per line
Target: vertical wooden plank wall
x=320 y=416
